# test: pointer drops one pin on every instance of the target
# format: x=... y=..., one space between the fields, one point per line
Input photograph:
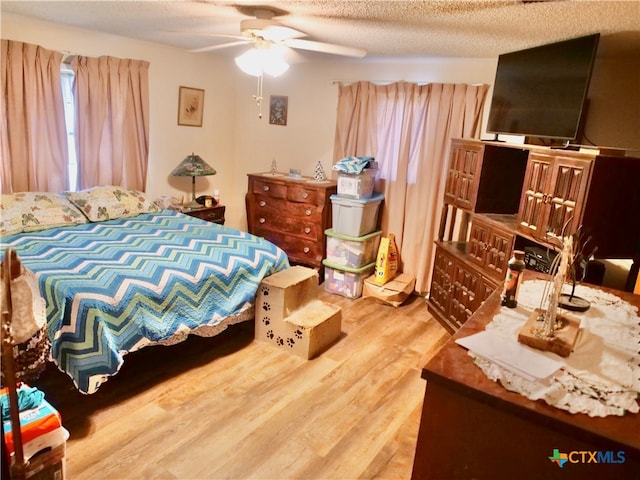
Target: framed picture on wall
x=278 y=110
x=190 y=106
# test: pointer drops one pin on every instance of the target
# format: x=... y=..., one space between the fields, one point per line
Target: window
x=69 y=117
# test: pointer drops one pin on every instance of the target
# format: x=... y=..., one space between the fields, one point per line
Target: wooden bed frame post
x=10 y=270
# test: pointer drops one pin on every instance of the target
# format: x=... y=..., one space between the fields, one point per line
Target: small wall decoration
x=190 y=106
x=278 y=110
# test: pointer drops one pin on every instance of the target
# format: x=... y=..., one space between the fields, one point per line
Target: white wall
x=233 y=139
x=312 y=97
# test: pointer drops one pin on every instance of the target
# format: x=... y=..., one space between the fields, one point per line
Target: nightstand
x=210 y=214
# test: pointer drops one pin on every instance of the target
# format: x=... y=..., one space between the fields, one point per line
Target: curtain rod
x=67 y=56
x=380 y=82
x=348 y=82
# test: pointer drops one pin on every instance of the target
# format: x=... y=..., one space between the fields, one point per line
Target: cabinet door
x=478 y=242
x=532 y=212
x=441 y=283
x=463 y=299
x=553 y=196
x=490 y=247
x=462 y=176
x=485 y=288
x=498 y=252
x=567 y=196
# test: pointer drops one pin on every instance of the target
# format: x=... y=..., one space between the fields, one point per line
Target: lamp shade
x=193 y=166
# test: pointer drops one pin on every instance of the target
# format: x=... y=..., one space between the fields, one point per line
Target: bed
x=120 y=274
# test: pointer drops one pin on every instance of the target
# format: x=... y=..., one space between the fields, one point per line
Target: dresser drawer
x=290 y=226
x=271 y=189
x=302 y=251
x=300 y=193
x=298 y=250
x=268 y=206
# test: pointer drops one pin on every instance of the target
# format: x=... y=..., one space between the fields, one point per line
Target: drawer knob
x=308 y=212
x=266 y=188
x=305 y=195
x=262 y=220
x=262 y=203
x=307 y=230
x=306 y=249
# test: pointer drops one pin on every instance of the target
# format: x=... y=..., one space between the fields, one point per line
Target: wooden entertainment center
x=500 y=197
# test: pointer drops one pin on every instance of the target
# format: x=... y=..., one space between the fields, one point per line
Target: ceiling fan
x=264 y=31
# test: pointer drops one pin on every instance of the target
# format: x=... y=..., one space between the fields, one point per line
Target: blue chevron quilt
x=114 y=287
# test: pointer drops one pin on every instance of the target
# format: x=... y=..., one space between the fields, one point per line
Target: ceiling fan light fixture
x=262 y=59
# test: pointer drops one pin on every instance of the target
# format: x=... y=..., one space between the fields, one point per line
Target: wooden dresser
x=292 y=213
x=473 y=427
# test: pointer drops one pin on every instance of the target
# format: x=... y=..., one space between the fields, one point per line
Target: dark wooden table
x=210 y=214
x=473 y=428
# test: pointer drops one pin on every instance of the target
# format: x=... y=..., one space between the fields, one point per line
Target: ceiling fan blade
x=207 y=34
x=220 y=47
x=325 y=47
x=269 y=29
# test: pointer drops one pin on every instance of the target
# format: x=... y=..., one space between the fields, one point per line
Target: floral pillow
x=110 y=202
x=31 y=211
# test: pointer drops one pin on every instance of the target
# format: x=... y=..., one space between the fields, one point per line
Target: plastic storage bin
x=352 y=252
x=43 y=440
x=355 y=217
x=345 y=281
x=359 y=185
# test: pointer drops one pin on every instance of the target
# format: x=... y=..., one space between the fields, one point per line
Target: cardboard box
x=310 y=330
x=290 y=317
x=394 y=292
x=283 y=292
x=49 y=465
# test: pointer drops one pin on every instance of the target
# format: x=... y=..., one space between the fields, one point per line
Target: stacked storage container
x=352 y=242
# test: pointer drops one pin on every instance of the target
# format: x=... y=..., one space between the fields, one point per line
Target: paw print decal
x=265 y=291
x=280 y=341
x=266 y=320
x=270 y=334
x=298 y=333
x=291 y=342
x=266 y=307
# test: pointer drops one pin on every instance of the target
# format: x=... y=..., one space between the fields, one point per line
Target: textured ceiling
x=393 y=28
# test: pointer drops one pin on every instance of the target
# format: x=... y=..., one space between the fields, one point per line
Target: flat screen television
x=540 y=92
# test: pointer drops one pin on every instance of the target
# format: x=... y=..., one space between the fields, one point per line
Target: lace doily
x=601 y=376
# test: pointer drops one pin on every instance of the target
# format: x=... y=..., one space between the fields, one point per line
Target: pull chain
x=258 y=96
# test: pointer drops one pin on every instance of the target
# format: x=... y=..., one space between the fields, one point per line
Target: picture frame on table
x=190 y=106
x=278 y=108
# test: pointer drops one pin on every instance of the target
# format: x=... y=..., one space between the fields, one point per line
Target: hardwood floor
x=230 y=407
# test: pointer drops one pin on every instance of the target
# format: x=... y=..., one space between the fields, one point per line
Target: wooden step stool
x=289 y=315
